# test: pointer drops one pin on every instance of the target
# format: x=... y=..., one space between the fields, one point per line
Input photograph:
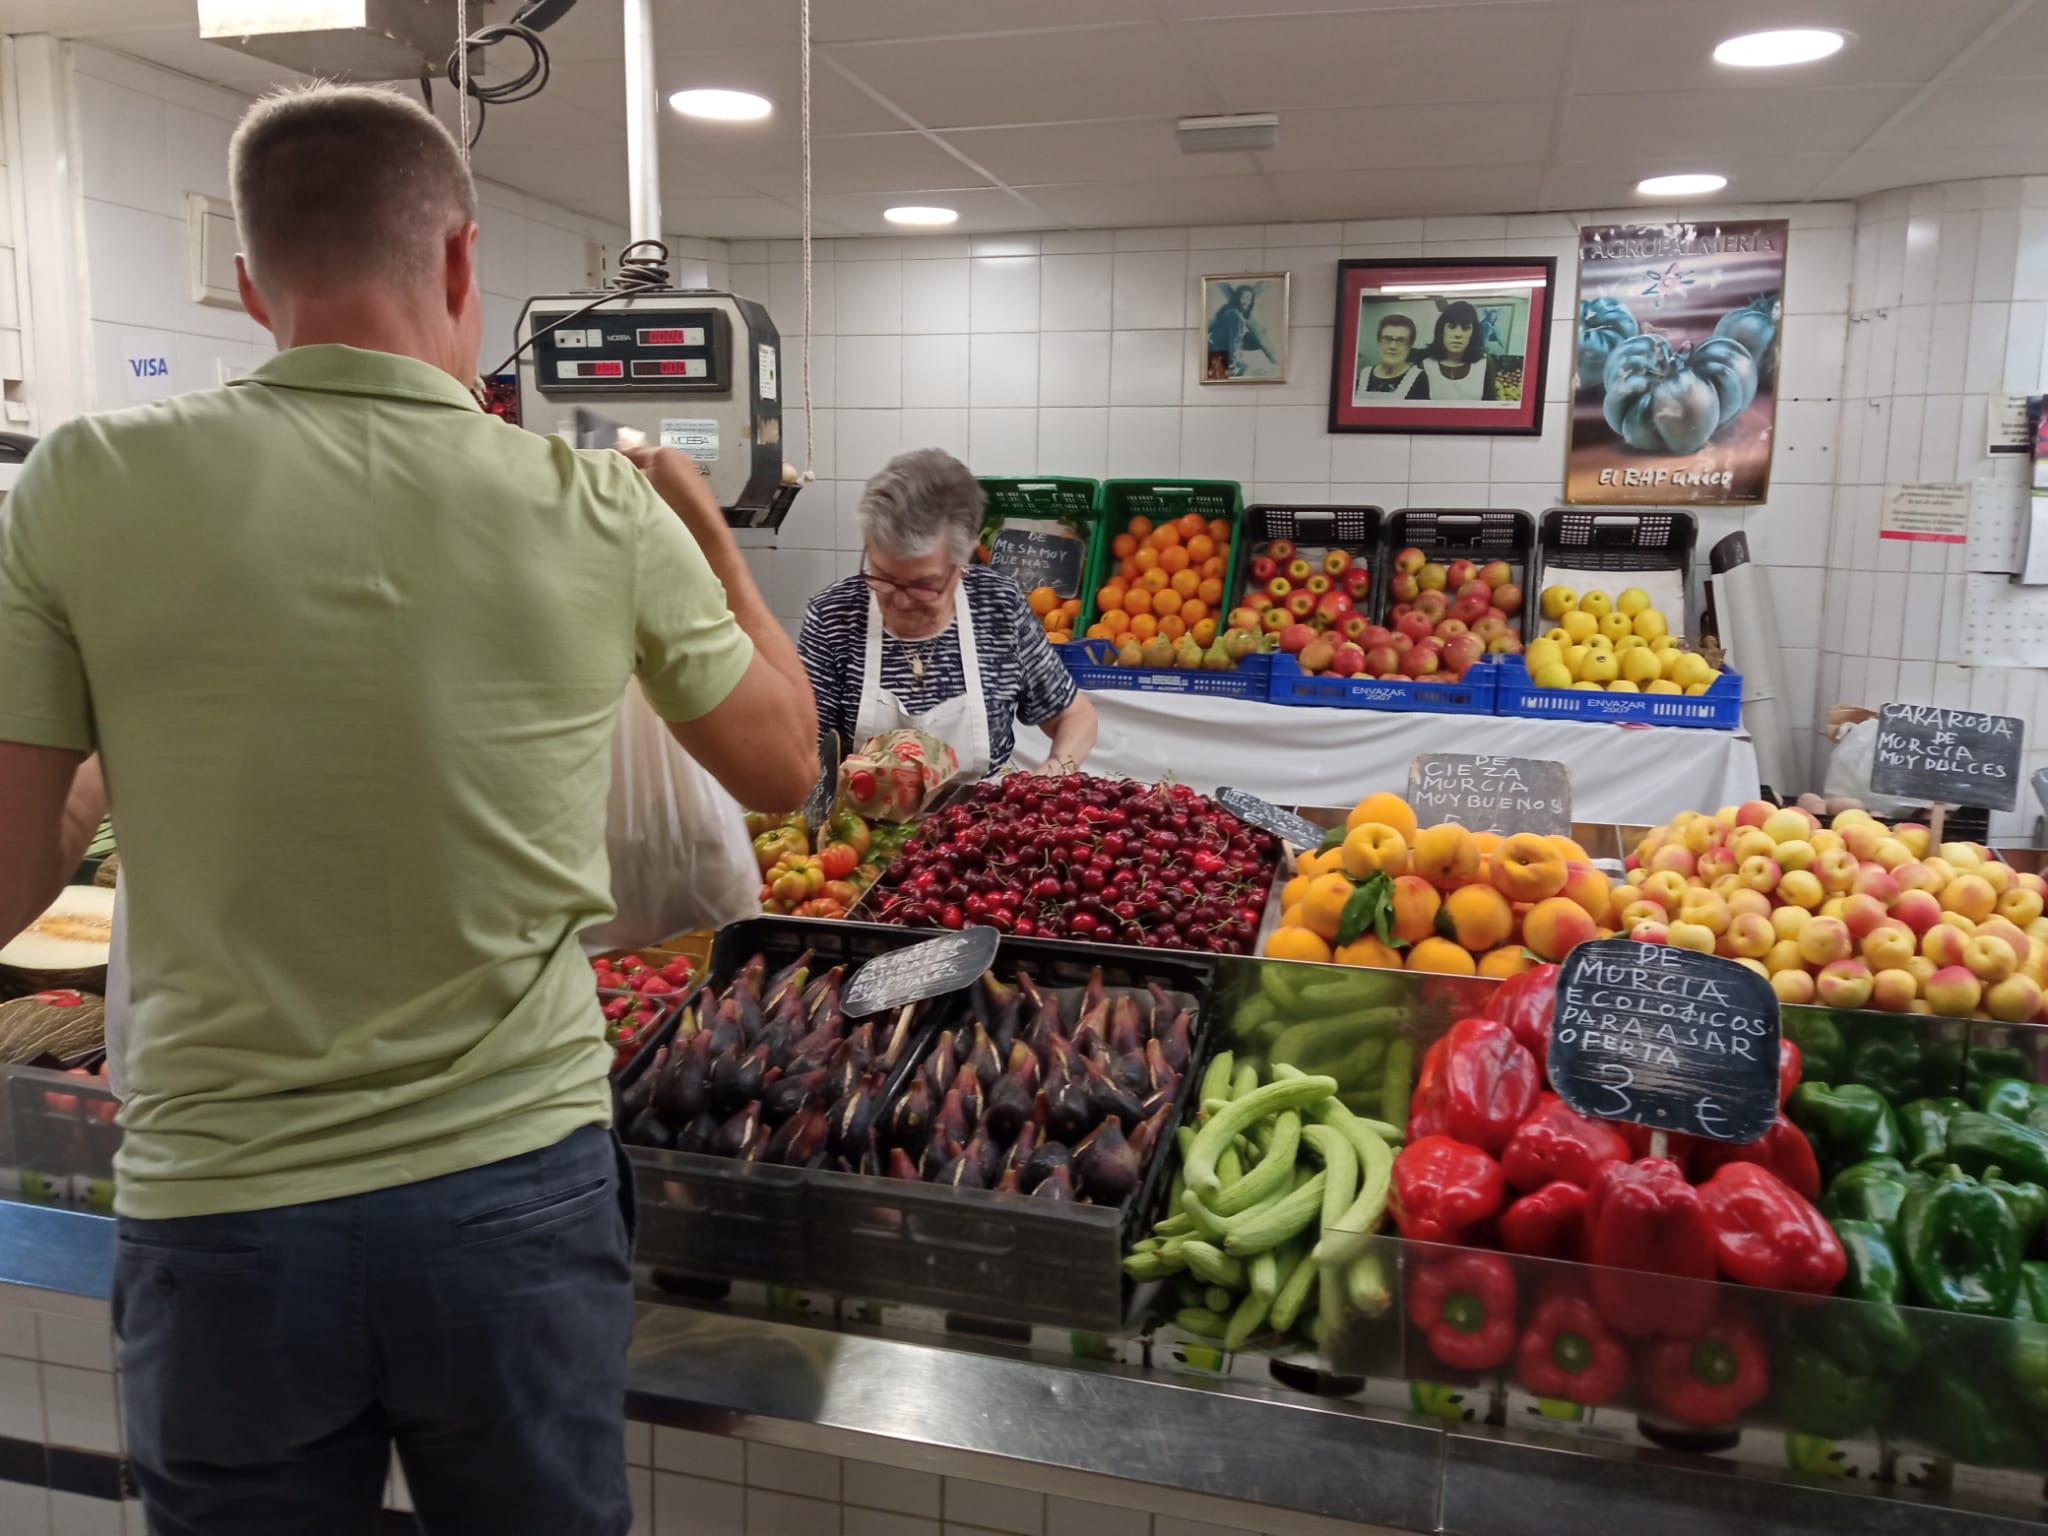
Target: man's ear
x=252 y=301
x=460 y=266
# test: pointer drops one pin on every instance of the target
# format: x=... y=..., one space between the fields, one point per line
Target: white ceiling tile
x=1974 y=113
x=2020 y=49
x=1751 y=179
x=882 y=162
x=1089 y=151
x=1131 y=204
x=1391 y=194
x=1860 y=175
x=848 y=21
x=860 y=213
x=1697 y=127
x=1366 y=138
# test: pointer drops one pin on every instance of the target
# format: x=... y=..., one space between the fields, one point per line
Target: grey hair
x=920 y=502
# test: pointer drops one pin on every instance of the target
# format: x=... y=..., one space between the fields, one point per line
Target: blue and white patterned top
x=1022 y=677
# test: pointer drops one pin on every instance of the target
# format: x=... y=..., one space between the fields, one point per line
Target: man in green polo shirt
x=350 y=651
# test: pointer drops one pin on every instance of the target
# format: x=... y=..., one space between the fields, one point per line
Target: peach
x=1703 y=834
x=1920 y=1005
x=1801 y=888
x=1589 y=887
x=2015 y=1000
x=1944 y=945
x=1942 y=872
x=1715 y=865
x=1797 y=854
x=1743 y=899
x=1999 y=928
x=1861 y=838
x=1843 y=820
x=1920 y=968
x=1477 y=916
x=1834 y=906
x=2038 y=929
x=1962 y=856
x=1875 y=880
x=1862 y=913
x=1788 y=824
x=1555 y=926
x=1751 y=841
x=1760 y=873
x=1793 y=986
x=1837 y=870
x=1754 y=813
x=1373 y=848
x=1824 y=842
x=1889 y=946
x=1754 y=966
x=1726 y=815
x=1957 y=921
x=1650 y=932
x=2019 y=905
x=1913 y=876
x=1693 y=936
x=1639 y=912
x=2028 y=881
x=1890 y=853
x=1844 y=984
x=1725 y=886
x=1991 y=960
x=1445 y=855
x=1918 y=910
x=1527 y=868
x=1749 y=936
x=1824 y=940
x=1916 y=838
x=1675 y=857
x=1667 y=888
x=1789 y=920
x=1707 y=909
x=1893 y=991
x=1953 y=991
x=1784 y=956
x=1416 y=904
x=1971 y=895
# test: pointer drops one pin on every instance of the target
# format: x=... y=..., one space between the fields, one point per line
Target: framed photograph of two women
x=1675 y=388
x=1453 y=345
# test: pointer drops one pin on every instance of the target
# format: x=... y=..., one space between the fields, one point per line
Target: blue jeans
x=478 y=1322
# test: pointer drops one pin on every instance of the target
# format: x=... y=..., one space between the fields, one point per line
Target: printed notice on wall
x=699 y=439
x=2007 y=429
x=146 y=365
x=1931 y=512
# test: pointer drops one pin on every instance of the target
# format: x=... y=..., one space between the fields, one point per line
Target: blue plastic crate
x=1471 y=695
x=1718 y=709
x=1089 y=661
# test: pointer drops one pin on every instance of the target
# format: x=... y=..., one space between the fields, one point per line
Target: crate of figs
x=989 y=1151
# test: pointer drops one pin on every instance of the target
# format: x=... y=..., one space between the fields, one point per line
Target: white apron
x=961 y=723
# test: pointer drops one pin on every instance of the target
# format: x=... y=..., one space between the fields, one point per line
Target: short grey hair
x=921 y=502
x=345 y=184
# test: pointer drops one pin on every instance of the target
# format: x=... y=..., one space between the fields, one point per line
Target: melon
x=64 y=1024
x=66 y=947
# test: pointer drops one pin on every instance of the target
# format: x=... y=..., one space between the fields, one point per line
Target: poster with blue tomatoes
x=1675 y=393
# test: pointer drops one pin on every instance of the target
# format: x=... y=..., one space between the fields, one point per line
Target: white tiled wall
x=1950 y=303
x=1076 y=353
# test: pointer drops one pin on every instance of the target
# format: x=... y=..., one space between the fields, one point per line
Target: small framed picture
x=1452 y=345
x=1244 y=328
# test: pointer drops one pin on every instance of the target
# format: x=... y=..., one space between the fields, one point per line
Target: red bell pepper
x=1427 y=1112
x=1783 y=1149
x=1487 y=1085
x=1550 y=1224
x=1789 y=1062
x=1710 y=1379
x=1643 y=1216
x=1764 y=1234
x=1465 y=1307
x=1443 y=1188
x=1677 y=1145
x=1526 y=1003
x=1557 y=1142
x=1566 y=1351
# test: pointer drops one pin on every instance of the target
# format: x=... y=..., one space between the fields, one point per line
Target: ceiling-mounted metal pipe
x=643 y=124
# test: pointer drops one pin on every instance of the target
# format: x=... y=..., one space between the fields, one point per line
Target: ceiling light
x=1690 y=184
x=1769 y=50
x=721 y=106
x=922 y=216
x=1244 y=131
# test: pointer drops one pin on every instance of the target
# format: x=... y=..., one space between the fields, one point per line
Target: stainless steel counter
x=897 y=1399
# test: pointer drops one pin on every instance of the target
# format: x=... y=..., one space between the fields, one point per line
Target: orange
x=1416 y=904
x=1146 y=558
x=1185 y=581
x=1154 y=580
x=1127 y=571
x=1213 y=566
x=1219 y=530
x=1387 y=810
x=1202 y=628
x=1477 y=916
x=1166 y=602
x=1060 y=637
x=1100 y=632
x=1167 y=537
x=1053 y=621
x=1367 y=950
x=1173 y=626
x=1138 y=526
x=1296 y=944
x=1190 y=524
x=1200 y=546
x=1111 y=596
x=1144 y=626
x=1043 y=600
x=1210 y=590
x=1138 y=600
x=1508 y=960
x=1173 y=559
x=1323 y=906
x=1441 y=955
x=1071 y=607
x=1193 y=608
x=1123 y=546
x=1116 y=621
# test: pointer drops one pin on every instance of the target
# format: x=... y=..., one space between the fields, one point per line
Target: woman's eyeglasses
x=909 y=591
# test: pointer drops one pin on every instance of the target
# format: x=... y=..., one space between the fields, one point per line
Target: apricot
x=1555 y=926
x=1508 y=960
x=1528 y=868
x=1368 y=951
x=1388 y=810
x=1442 y=955
x=1478 y=917
x=1374 y=849
x=1446 y=855
x=1416 y=904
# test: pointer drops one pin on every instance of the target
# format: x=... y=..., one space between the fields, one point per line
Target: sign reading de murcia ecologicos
x=1675 y=392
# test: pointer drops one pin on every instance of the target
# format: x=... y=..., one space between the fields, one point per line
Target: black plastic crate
x=1478 y=534
x=1621 y=543
x=1315 y=531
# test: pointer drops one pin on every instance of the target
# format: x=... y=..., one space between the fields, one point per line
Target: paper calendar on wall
x=2003 y=625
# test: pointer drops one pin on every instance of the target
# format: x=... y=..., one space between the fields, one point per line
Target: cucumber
x=1205 y=1225
x=1201 y=1322
x=1218 y=1299
x=1262 y=1275
x=1216 y=1081
x=1365 y=1286
x=1245 y=1082
x=1294 y=1293
x=1270 y=1176
x=1245 y=1321
x=1396 y=1082
x=1267 y=1226
x=1212 y=1266
x=1220 y=1129
x=1151 y=1266
x=1230 y=1165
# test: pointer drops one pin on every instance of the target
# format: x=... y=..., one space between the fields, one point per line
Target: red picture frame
x=1454 y=345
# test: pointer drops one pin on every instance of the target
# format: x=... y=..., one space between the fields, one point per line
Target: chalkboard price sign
x=1491 y=794
x=1948 y=756
x=1268 y=817
x=1037 y=557
x=1667 y=1038
x=918 y=971
x=2040 y=783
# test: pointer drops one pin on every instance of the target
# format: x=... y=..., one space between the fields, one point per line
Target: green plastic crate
x=1045 y=499
x=1121 y=500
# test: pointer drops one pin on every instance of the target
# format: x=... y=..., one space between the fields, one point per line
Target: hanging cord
x=635 y=274
x=458 y=76
x=810 y=429
x=524 y=86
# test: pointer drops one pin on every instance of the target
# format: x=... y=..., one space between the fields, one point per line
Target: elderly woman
x=923 y=639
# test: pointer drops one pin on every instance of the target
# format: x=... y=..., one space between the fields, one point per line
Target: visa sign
x=146 y=366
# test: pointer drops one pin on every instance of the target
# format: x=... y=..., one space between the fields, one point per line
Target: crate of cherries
x=638 y=993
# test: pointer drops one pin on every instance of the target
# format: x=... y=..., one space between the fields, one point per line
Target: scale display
x=663 y=351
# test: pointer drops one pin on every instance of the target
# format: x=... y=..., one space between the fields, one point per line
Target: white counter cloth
x=1294 y=756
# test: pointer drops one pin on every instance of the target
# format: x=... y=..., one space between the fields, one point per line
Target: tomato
x=1755 y=325
x=1727 y=365
x=1604 y=324
x=838 y=860
x=845 y=892
x=849 y=829
x=1655 y=403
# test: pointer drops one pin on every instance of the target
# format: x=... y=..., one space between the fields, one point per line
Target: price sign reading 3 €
x=1667 y=1038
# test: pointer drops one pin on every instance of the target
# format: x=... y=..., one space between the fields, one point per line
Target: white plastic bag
x=680 y=854
x=1849 y=769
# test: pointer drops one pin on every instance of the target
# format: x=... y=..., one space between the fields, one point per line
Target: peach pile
x=1463 y=902
x=1853 y=914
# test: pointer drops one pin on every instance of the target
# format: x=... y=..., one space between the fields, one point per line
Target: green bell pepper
x=1817 y=1395
x=2027 y=1357
x=1872 y=1190
x=2015 y=1099
x=1973 y=1420
x=1977 y=1142
x=2027 y=1202
x=1886 y=1055
x=1923 y=1130
x=1822 y=1053
x=1961 y=1247
x=1989 y=1064
x=1846 y=1124
x=1875 y=1338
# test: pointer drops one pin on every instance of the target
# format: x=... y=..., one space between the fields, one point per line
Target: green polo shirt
x=352 y=651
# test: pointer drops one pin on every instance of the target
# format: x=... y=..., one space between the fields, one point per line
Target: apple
x=1264 y=569
x=1242 y=618
x=1433 y=577
x=1301 y=604
x=1318 y=584
x=1468 y=607
x=1298 y=571
x=1446 y=628
x=1357 y=583
x=1350 y=661
x=1489 y=628
x=1259 y=602
x=1416 y=626
x=1496 y=573
x=1422 y=660
x=1402 y=587
x=1281 y=550
x=1296 y=638
x=1508 y=644
x=1508 y=599
x=1401 y=640
x=1374 y=635
x=1356 y=626
x=1273 y=620
x=1336 y=562
x=1279 y=588
x=1435 y=604
x=1394 y=614
x=1458 y=573
x=1462 y=652
x=1410 y=560
x=1333 y=606
x=1382 y=659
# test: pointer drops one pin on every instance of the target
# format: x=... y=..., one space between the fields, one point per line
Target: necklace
x=917 y=653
